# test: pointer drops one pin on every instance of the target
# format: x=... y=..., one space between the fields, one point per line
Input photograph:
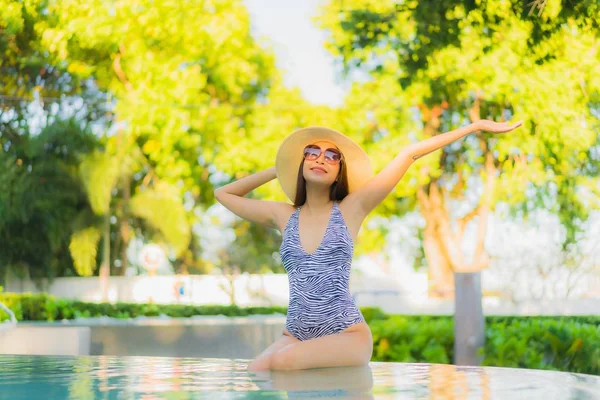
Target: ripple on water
x=91 y=377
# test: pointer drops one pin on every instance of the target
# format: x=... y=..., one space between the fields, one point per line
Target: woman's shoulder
x=352 y=215
x=284 y=212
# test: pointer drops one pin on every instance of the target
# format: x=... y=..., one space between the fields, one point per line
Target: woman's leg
x=263 y=360
x=345 y=349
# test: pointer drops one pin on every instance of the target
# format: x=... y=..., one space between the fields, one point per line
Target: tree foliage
x=169 y=82
x=42 y=199
x=446 y=63
x=180 y=94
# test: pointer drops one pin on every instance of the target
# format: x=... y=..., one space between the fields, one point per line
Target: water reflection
x=354 y=382
x=108 y=377
x=458 y=383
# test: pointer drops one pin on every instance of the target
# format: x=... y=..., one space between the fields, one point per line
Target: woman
x=330 y=180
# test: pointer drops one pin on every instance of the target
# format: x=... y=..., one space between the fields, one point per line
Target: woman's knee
x=259 y=364
x=283 y=359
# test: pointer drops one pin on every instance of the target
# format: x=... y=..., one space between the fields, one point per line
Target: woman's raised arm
x=369 y=196
x=268 y=213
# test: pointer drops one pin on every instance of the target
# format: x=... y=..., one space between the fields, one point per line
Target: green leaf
x=99 y=173
x=83 y=248
x=164 y=211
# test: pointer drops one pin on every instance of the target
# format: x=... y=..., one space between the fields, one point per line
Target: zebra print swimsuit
x=320 y=300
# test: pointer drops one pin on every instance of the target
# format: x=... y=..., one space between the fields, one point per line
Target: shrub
x=556 y=342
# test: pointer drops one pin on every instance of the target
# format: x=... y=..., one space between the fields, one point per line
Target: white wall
x=198 y=289
x=271 y=289
x=397 y=296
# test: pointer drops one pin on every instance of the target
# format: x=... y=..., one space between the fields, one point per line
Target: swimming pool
x=110 y=377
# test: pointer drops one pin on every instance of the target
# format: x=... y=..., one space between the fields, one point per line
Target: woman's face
x=320 y=170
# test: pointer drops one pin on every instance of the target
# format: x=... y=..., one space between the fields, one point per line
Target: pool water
x=109 y=377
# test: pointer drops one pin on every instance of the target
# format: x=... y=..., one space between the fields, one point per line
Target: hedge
x=516 y=342
x=564 y=343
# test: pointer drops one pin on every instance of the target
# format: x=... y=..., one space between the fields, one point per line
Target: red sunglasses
x=332 y=156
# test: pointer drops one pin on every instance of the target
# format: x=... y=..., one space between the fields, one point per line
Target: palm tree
x=156 y=207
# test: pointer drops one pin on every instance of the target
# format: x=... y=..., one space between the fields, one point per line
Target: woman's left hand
x=496 y=127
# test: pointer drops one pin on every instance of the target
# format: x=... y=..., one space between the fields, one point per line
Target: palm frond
x=84 y=249
x=99 y=173
x=165 y=212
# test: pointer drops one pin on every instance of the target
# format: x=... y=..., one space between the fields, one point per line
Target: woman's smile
x=318 y=170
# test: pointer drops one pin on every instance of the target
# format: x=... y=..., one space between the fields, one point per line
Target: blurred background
x=118 y=120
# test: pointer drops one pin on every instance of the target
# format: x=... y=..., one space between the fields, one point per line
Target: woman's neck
x=317 y=200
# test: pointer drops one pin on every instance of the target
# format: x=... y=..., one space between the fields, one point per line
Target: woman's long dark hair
x=337 y=191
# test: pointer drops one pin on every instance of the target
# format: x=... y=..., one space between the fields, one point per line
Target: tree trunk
x=125 y=228
x=469 y=322
x=443 y=247
x=439 y=262
x=105 y=265
x=230 y=276
x=232 y=289
x=439 y=273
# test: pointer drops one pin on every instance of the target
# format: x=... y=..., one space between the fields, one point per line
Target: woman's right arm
x=268 y=213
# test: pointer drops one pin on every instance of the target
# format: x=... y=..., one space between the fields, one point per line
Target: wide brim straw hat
x=291 y=153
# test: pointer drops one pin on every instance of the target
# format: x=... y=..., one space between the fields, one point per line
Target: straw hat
x=290 y=155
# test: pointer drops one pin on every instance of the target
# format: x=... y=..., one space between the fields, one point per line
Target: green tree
x=35 y=94
x=173 y=93
x=42 y=200
x=25 y=64
x=254 y=251
x=440 y=64
x=178 y=91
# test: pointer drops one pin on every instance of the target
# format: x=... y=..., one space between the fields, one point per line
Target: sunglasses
x=312 y=152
